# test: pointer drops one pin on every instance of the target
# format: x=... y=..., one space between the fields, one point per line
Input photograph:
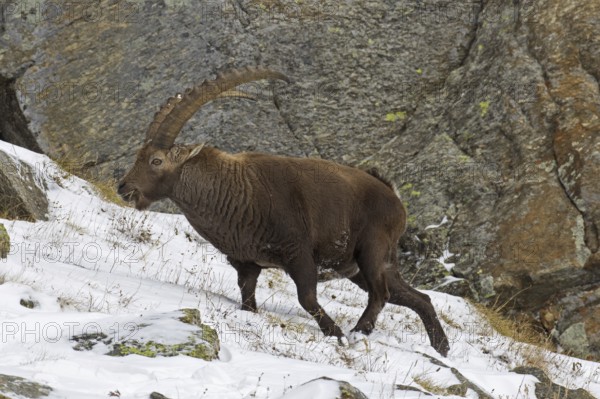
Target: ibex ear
x=195 y=151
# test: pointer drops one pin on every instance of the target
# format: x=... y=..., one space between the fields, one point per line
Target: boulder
x=4 y=242
x=22 y=195
x=13 y=386
x=162 y=335
x=573 y=318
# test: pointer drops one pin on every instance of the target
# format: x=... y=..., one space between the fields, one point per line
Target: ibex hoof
x=443 y=348
x=366 y=330
x=249 y=308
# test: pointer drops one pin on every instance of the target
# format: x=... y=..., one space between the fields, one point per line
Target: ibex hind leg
x=371 y=278
x=248 y=273
x=402 y=294
x=304 y=274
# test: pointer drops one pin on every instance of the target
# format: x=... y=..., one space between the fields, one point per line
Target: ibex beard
x=350 y=222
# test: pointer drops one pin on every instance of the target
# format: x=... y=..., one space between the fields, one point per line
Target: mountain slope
x=97 y=267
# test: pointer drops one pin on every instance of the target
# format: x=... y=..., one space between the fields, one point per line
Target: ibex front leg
x=248 y=273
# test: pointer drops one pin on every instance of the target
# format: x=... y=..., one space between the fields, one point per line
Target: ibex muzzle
x=349 y=222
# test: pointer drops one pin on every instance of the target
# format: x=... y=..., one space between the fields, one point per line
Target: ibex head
x=159 y=162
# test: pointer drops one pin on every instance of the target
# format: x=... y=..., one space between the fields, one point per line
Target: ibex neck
x=213 y=192
x=203 y=180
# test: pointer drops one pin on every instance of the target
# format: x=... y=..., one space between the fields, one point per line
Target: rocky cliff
x=484 y=114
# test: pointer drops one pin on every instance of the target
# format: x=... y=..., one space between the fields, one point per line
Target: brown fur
x=297 y=214
x=375 y=173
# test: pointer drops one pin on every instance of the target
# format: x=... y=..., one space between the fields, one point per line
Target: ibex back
x=297 y=214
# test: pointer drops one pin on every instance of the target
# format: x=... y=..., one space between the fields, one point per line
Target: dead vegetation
x=87 y=170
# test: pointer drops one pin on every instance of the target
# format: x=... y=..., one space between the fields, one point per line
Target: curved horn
x=178 y=110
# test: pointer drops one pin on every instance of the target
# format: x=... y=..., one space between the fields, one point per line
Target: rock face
x=482 y=113
x=23 y=388
x=13 y=125
x=21 y=195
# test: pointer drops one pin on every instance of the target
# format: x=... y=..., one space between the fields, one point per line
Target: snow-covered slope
x=97 y=265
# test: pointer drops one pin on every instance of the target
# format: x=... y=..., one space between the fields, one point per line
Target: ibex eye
x=156 y=161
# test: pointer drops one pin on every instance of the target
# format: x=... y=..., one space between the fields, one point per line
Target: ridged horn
x=171 y=117
x=237 y=94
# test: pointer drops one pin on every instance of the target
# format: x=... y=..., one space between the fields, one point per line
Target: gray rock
x=457 y=287
x=12 y=385
x=201 y=341
x=483 y=113
x=575 y=338
x=21 y=196
x=464 y=385
x=545 y=388
x=574 y=319
x=346 y=390
x=13 y=125
x=29 y=303
x=401 y=387
x=4 y=242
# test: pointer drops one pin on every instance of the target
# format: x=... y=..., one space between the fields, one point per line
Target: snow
x=435 y=226
x=315 y=390
x=446 y=254
x=95 y=265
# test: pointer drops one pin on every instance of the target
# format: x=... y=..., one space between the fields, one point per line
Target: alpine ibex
x=298 y=214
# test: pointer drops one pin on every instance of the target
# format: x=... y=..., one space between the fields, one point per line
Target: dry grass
x=12 y=208
x=428 y=384
x=105 y=187
x=448 y=320
x=521 y=330
x=518 y=328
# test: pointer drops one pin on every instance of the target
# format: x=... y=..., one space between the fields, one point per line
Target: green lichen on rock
x=484 y=106
x=458 y=389
x=190 y=316
x=147 y=349
x=29 y=303
x=202 y=343
x=196 y=346
x=10 y=384
x=4 y=242
x=86 y=342
x=347 y=391
x=395 y=116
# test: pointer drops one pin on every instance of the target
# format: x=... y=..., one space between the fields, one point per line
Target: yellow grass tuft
x=105 y=187
x=428 y=384
x=522 y=330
